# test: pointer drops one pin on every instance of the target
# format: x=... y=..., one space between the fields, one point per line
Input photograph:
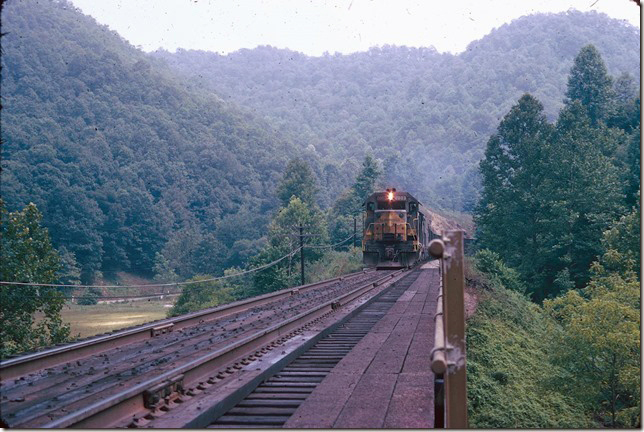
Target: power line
x=169 y=284
x=262 y=267
x=329 y=246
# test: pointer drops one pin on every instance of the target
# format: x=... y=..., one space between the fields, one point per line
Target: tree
x=366 y=180
x=583 y=197
x=283 y=238
x=599 y=347
x=632 y=185
x=621 y=244
x=163 y=271
x=341 y=215
x=202 y=295
x=509 y=216
x=599 y=343
x=298 y=181
x=89 y=296
x=590 y=84
x=70 y=272
x=626 y=114
x=28 y=256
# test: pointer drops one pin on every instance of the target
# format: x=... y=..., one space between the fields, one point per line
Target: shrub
x=509 y=372
x=90 y=297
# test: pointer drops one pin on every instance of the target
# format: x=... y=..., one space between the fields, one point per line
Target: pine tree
x=509 y=214
x=366 y=180
x=590 y=84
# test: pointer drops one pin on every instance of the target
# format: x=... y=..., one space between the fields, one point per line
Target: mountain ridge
x=401 y=103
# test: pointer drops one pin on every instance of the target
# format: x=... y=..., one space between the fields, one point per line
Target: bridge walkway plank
x=386 y=380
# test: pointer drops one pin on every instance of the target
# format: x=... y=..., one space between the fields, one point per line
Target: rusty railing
x=448 y=355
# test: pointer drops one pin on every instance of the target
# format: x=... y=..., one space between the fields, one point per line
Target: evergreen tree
x=632 y=171
x=509 y=215
x=590 y=84
x=298 y=181
x=366 y=181
x=584 y=196
x=348 y=205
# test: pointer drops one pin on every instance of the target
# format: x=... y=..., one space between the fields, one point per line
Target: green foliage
x=335 y=263
x=203 y=295
x=163 y=271
x=69 y=273
x=28 y=256
x=348 y=205
x=598 y=344
x=297 y=181
x=497 y=272
x=283 y=238
x=632 y=170
x=599 y=348
x=425 y=115
x=549 y=192
x=89 y=296
x=622 y=244
x=590 y=84
x=120 y=154
x=509 y=370
x=366 y=181
x=512 y=201
x=583 y=196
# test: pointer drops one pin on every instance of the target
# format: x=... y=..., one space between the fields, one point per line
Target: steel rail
x=123 y=403
x=25 y=364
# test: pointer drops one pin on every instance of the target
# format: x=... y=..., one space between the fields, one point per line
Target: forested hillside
x=426 y=115
x=128 y=158
x=559 y=222
x=121 y=158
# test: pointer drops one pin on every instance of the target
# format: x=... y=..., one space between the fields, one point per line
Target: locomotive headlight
x=390 y=196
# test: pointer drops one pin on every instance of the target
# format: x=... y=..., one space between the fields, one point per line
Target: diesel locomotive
x=396 y=230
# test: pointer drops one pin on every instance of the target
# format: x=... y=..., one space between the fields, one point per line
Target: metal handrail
x=448 y=359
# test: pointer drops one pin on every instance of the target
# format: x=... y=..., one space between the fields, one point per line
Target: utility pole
x=302 y=253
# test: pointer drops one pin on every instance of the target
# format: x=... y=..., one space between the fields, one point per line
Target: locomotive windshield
x=391 y=205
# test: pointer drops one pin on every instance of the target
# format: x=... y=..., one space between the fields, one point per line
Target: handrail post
x=454 y=321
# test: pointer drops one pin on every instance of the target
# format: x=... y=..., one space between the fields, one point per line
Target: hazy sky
x=313 y=27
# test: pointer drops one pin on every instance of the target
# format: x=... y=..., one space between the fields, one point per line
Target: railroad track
x=24 y=364
x=272 y=403
x=132 y=376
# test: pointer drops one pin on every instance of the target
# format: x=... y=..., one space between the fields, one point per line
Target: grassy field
x=101 y=318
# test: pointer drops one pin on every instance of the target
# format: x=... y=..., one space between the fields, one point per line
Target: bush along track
x=511 y=378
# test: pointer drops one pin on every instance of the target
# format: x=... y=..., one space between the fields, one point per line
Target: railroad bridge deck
x=351 y=352
x=385 y=381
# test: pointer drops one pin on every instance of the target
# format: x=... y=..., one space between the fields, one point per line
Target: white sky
x=313 y=27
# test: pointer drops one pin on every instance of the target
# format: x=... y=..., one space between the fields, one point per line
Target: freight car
x=396 y=230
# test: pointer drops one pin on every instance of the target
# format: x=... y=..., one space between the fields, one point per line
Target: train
x=397 y=230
